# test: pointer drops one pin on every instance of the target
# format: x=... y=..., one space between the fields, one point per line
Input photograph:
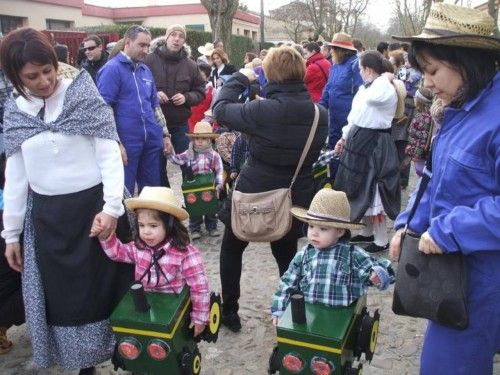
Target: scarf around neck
x=84 y=113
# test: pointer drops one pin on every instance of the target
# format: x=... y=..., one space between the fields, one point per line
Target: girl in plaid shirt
x=162 y=253
x=201 y=158
x=329 y=270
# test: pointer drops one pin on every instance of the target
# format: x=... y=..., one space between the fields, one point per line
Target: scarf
x=438 y=106
x=84 y=113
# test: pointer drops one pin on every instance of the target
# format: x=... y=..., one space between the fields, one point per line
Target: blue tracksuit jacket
x=461 y=211
x=130 y=90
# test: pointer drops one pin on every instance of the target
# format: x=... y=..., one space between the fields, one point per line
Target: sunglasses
x=91 y=48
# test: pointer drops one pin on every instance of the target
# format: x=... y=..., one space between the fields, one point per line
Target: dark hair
x=476 y=66
x=405 y=46
x=382 y=46
x=205 y=68
x=177 y=233
x=358 y=45
x=22 y=46
x=372 y=60
x=394 y=46
x=133 y=31
x=61 y=52
x=250 y=56
x=388 y=67
x=95 y=38
x=343 y=53
x=312 y=47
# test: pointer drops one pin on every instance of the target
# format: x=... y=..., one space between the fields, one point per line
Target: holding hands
x=103 y=226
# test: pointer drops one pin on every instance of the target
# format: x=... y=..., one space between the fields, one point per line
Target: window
x=9 y=23
x=238 y=31
x=254 y=35
x=195 y=27
x=246 y=33
x=58 y=24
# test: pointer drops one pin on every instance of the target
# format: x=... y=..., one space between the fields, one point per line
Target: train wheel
x=186 y=361
x=349 y=370
x=196 y=365
x=211 y=332
x=368 y=333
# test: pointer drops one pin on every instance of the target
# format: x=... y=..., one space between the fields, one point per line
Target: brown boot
x=5 y=344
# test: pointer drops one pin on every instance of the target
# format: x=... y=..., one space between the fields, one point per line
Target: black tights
x=231 y=255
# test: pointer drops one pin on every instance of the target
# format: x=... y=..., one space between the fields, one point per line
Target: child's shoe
x=195 y=235
x=5 y=344
x=374 y=248
x=214 y=233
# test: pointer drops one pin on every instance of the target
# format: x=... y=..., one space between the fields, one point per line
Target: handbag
x=265 y=216
x=431 y=286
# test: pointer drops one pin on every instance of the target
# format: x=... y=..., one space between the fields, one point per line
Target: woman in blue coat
x=460 y=209
x=343 y=83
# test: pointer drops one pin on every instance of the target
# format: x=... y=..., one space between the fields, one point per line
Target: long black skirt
x=81 y=284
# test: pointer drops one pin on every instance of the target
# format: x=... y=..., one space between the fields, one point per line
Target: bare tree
x=292 y=15
x=350 y=11
x=221 y=13
x=412 y=15
x=493 y=12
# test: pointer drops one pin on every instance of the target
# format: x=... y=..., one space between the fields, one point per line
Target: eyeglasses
x=91 y=48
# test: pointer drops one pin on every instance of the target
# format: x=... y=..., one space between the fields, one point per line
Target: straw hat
x=158 y=198
x=329 y=208
x=202 y=130
x=207 y=49
x=401 y=93
x=342 y=40
x=453 y=25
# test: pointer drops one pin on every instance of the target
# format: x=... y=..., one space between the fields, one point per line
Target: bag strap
x=322 y=71
x=308 y=144
x=426 y=177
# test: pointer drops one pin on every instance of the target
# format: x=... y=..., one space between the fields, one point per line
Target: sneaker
x=231 y=321
x=214 y=233
x=359 y=238
x=195 y=235
x=373 y=248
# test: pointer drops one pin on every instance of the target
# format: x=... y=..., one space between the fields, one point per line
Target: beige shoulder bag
x=265 y=216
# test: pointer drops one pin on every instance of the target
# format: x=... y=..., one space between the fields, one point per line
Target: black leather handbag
x=432 y=287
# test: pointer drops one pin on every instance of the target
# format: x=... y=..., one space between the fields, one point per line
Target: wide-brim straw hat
x=453 y=25
x=158 y=198
x=401 y=94
x=207 y=49
x=202 y=129
x=342 y=40
x=329 y=208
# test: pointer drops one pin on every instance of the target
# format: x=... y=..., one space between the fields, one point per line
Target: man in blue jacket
x=127 y=85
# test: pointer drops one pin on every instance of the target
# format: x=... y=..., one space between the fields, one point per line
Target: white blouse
x=373 y=107
x=53 y=163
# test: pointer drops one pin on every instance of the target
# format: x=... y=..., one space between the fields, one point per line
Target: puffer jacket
x=176 y=73
x=277 y=128
x=318 y=70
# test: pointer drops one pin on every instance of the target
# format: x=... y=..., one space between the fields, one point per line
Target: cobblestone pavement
x=399 y=340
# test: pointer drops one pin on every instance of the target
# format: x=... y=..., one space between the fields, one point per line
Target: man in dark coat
x=95 y=56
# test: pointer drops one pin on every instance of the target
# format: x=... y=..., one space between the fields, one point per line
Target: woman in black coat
x=277 y=128
x=220 y=67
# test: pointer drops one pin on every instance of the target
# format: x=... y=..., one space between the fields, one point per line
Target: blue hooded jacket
x=343 y=83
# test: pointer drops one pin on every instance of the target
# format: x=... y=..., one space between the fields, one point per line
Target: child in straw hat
x=162 y=253
x=201 y=158
x=329 y=270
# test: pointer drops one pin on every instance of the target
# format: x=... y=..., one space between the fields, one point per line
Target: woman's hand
x=104 y=225
x=275 y=321
x=427 y=245
x=395 y=246
x=339 y=147
x=167 y=145
x=198 y=328
x=14 y=257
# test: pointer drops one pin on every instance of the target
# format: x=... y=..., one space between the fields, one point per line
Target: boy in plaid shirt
x=329 y=270
x=201 y=158
x=165 y=260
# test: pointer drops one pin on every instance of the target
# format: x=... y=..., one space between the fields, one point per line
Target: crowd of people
x=76 y=144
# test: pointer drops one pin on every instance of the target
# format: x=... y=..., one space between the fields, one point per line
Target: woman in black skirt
x=63 y=172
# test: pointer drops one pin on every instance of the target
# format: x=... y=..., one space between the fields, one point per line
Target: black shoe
x=231 y=321
x=360 y=238
x=373 y=248
x=87 y=371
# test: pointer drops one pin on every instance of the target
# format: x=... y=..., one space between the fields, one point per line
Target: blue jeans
x=196 y=221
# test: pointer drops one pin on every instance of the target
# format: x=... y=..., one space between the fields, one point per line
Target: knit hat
x=176 y=27
x=329 y=208
x=158 y=198
x=202 y=130
x=453 y=25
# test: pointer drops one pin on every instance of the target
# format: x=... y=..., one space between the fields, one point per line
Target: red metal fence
x=73 y=40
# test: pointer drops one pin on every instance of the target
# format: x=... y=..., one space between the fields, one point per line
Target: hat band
x=342 y=43
x=327 y=217
x=445 y=33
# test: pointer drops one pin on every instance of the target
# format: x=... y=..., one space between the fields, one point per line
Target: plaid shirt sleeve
x=193 y=272
x=179 y=159
x=117 y=251
x=218 y=168
x=289 y=281
x=365 y=265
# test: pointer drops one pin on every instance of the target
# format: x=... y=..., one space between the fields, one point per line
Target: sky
x=378 y=12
